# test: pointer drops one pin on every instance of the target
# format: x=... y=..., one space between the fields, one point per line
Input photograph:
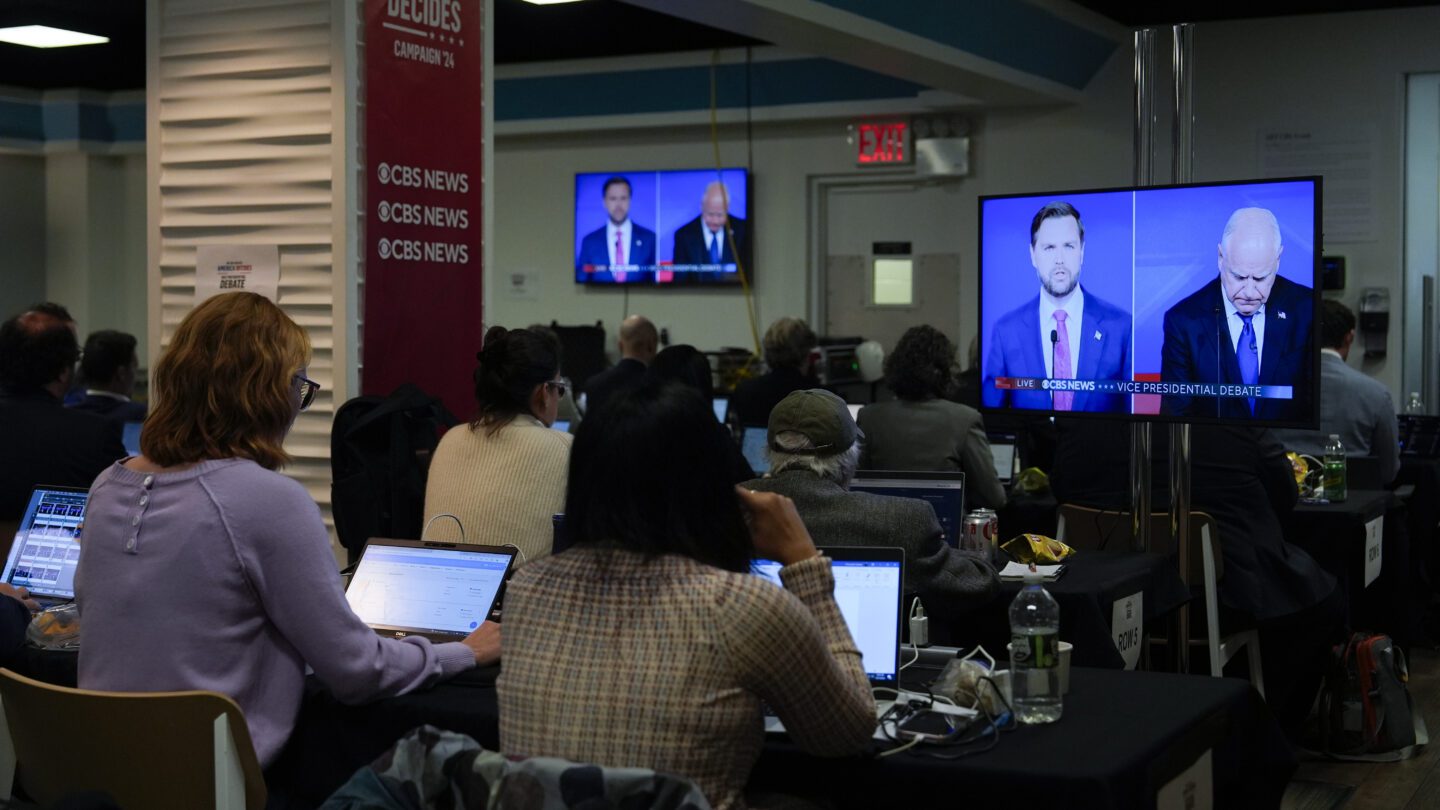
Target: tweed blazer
x=946 y=579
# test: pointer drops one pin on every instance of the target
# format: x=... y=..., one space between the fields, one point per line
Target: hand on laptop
x=20 y=594
x=485 y=643
x=775 y=527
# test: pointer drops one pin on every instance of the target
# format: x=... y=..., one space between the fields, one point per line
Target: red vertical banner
x=423 y=170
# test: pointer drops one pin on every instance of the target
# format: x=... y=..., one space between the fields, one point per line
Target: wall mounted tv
x=1194 y=303
x=663 y=228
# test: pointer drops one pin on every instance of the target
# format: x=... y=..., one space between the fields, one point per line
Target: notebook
x=944 y=491
x=47 y=544
x=441 y=591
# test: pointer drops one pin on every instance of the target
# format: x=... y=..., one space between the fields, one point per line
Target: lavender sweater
x=220 y=577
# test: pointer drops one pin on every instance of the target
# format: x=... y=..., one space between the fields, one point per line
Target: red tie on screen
x=1063 y=399
x=619 y=249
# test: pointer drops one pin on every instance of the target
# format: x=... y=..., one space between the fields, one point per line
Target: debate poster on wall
x=423 y=169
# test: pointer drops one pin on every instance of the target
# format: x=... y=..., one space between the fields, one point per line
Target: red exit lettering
x=881 y=143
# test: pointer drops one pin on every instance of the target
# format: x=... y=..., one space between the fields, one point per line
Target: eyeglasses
x=560 y=386
x=308 y=389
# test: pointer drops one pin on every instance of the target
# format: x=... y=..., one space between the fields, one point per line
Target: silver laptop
x=441 y=591
x=46 y=549
x=1005 y=456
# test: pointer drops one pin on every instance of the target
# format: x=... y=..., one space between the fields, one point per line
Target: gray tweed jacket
x=948 y=581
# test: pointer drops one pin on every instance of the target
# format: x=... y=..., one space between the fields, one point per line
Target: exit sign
x=882 y=143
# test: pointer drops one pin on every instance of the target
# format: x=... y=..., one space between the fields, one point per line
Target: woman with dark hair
x=503 y=476
x=204 y=568
x=649 y=643
x=920 y=429
x=688 y=366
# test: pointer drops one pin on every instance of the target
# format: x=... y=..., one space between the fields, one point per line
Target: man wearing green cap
x=814 y=448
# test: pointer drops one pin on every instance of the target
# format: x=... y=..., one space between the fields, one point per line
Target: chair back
x=1085 y=528
x=159 y=749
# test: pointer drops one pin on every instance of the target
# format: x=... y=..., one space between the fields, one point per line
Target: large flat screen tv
x=663 y=228
x=1194 y=303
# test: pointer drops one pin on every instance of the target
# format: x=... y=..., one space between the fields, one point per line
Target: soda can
x=985 y=530
x=972 y=532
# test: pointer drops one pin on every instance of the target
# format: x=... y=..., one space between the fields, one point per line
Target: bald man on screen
x=705 y=240
x=1247 y=326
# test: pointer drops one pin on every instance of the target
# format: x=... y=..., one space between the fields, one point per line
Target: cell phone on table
x=928 y=725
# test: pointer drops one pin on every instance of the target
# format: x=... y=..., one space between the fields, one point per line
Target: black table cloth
x=1123 y=735
x=1092 y=583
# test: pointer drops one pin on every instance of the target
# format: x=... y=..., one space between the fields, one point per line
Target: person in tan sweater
x=503 y=475
x=649 y=643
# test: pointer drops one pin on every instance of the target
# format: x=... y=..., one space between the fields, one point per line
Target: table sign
x=1374 y=532
x=1127 y=625
x=1193 y=789
x=237 y=268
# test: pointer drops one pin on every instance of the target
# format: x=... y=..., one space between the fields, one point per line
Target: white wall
x=1014 y=150
x=1316 y=72
x=22 y=232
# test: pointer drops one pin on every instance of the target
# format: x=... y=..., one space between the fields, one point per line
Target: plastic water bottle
x=1334 y=469
x=1414 y=405
x=1035 y=653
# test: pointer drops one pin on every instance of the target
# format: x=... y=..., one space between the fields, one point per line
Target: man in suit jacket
x=1063 y=332
x=639 y=342
x=620 y=242
x=1248 y=327
x=1353 y=406
x=41 y=441
x=814 y=447
x=705 y=240
x=108 y=367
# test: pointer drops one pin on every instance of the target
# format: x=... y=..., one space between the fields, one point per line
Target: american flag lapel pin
x=1098 y=336
x=1281 y=316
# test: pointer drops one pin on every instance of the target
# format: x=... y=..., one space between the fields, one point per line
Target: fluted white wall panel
x=247 y=145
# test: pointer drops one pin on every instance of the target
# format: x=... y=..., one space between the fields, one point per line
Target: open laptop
x=562 y=425
x=1003 y=452
x=722 y=408
x=441 y=591
x=870 y=592
x=752 y=446
x=130 y=437
x=944 y=491
x=855 y=411
x=46 y=549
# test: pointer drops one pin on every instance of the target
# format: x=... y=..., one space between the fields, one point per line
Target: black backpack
x=380 y=450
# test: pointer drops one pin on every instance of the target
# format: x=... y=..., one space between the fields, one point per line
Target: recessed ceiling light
x=43 y=36
x=549 y=2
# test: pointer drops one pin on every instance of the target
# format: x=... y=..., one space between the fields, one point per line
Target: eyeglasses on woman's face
x=308 y=389
x=559 y=386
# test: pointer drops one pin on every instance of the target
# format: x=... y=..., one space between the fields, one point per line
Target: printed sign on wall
x=237 y=268
x=423 y=130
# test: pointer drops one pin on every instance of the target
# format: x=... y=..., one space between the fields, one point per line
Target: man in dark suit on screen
x=620 y=243
x=1064 y=332
x=1249 y=326
x=705 y=240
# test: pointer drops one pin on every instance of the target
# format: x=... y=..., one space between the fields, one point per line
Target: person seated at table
x=923 y=431
x=813 y=447
x=109 y=368
x=649 y=643
x=1353 y=405
x=1240 y=476
x=503 y=475
x=204 y=568
x=789 y=347
x=687 y=366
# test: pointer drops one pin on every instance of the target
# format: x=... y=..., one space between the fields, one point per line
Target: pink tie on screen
x=619 y=249
x=1063 y=399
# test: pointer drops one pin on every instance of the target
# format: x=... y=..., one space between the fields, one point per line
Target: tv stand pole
x=1182 y=163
